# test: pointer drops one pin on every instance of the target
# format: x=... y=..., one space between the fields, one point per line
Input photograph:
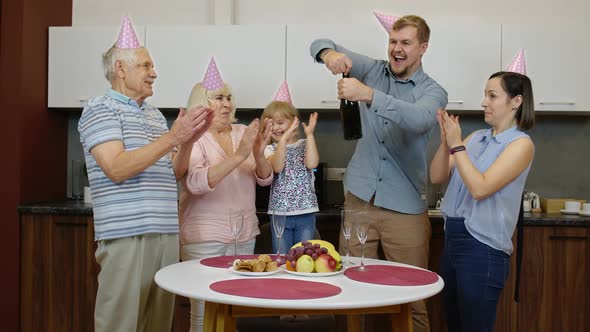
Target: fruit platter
x=313 y=258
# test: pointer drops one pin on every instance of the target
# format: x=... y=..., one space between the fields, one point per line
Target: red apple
x=325 y=263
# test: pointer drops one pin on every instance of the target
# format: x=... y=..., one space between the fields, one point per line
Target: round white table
x=192 y=279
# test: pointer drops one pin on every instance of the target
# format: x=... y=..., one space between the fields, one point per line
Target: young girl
x=293 y=160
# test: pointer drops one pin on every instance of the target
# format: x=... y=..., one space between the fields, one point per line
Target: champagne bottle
x=351 y=118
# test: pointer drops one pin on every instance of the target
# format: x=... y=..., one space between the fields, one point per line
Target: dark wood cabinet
x=555 y=291
x=59 y=277
x=58 y=273
x=435 y=303
x=554 y=288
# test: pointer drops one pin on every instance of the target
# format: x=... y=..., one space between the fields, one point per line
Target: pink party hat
x=212 y=80
x=385 y=20
x=127 y=38
x=283 y=93
x=518 y=64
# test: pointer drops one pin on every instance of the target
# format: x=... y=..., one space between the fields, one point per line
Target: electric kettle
x=530 y=201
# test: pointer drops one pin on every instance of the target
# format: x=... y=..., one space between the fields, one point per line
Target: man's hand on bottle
x=355 y=90
x=336 y=62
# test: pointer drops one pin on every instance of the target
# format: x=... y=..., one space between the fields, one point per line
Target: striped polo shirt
x=145 y=203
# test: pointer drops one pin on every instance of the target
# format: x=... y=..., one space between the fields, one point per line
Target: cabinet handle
x=455 y=102
x=564 y=237
x=568 y=103
x=328 y=101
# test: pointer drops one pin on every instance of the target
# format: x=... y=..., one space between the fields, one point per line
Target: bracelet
x=457 y=149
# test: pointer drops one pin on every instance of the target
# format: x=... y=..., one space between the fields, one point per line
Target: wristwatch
x=457 y=149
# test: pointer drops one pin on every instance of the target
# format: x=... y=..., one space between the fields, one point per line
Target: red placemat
x=275 y=288
x=392 y=275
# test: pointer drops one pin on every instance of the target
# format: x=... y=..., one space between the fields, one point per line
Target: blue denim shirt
x=390 y=159
x=491 y=220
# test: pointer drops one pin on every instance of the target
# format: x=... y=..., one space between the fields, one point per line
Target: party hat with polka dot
x=518 y=64
x=127 y=38
x=212 y=80
x=283 y=93
x=385 y=20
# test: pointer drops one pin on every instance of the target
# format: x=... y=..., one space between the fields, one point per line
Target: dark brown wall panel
x=34 y=149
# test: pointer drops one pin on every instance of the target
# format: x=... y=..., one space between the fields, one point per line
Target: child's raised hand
x=309 y=128
x=292 y=128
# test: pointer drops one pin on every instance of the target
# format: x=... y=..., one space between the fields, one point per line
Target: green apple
x=305 y=264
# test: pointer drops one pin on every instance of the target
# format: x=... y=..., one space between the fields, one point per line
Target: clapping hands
x=309 y=128
x=450 y=128
x=253 y=141
x=189 y=126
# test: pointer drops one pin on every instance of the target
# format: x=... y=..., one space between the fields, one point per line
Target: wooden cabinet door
x=58 y=273
x=556 y=58
x=35 y=266
x=73 y=274
x=435 y=304
x=75 y=72
x=555 y=280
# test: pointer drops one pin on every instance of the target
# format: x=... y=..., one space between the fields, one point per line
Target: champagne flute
x=361 y=233
x=278 y=226
x=236 y=222
x=346 y=227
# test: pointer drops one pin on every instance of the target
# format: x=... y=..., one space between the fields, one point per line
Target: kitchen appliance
x=530 y=202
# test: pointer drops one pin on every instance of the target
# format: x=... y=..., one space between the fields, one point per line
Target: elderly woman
x=225 y=165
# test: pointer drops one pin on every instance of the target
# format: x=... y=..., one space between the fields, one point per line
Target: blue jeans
x=297 y=228
x=474 y=275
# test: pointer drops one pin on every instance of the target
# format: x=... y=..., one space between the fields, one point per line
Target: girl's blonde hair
x=201 y=96
x=282 y=108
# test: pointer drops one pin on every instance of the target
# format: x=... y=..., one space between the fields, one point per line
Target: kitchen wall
x=560 y=168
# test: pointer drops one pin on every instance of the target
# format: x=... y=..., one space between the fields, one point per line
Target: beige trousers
x=128 y=299
x=405 y=238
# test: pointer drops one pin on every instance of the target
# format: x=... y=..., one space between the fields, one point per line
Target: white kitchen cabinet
x=312 y=85
x=75 y=71
x=557 y=62
x=461 y=57
x=251 y=59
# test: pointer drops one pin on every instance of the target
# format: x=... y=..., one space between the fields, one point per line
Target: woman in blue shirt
x=487 y=174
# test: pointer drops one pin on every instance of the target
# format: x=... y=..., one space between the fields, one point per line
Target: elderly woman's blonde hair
x=201 y=96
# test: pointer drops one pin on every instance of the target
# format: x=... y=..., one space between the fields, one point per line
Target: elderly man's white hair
x=110 y=57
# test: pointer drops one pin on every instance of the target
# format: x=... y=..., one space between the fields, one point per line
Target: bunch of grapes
x=307 y=248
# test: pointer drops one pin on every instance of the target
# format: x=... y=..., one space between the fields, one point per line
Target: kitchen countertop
x=76 y=207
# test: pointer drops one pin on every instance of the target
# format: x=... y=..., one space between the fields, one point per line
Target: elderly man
x=133 y=163
x=386 y=176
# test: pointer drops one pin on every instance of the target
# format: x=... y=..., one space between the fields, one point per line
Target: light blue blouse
x=491 y=220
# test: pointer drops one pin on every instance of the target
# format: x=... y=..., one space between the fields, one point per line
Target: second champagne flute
x=346 y=227
x=361 y=232
x=236 y=222
x=278 y=226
